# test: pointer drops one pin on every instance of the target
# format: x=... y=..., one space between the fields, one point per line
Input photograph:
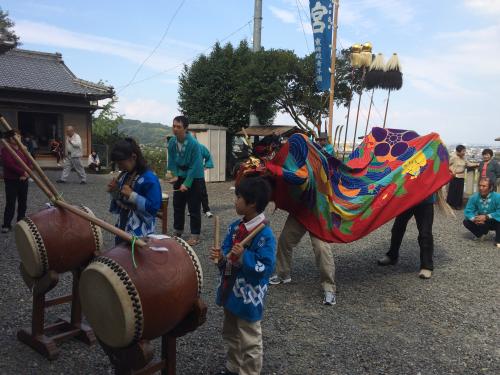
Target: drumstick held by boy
x=245 y=273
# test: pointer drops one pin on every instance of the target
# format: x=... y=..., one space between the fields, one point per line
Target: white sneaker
x=5 y=230
x=498 y=245
x=425 y=274
x=209 y=214
x=330 y=299
x=275 y=280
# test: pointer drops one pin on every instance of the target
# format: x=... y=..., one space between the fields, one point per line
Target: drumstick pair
x=49 y=189
x=243 y=243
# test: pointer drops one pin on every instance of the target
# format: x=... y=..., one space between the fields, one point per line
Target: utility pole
x=257 y=28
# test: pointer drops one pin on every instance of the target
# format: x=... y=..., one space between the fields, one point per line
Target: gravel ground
x=386 y=321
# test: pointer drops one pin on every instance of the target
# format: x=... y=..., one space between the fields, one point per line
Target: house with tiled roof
x=39 y=95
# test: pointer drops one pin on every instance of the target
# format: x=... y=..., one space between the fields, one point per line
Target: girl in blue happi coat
x=136 y=193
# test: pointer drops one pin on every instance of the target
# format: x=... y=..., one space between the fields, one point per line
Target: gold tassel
x=366 y=54
x=356 y=58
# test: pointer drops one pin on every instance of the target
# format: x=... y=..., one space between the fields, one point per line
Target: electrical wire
x=158 y=44
x=120 y=89
x=302 y=24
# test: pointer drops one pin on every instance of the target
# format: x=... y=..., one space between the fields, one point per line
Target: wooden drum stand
x=43 y=338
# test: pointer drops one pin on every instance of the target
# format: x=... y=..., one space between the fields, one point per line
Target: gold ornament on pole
x=366 y=55
x=356 y=59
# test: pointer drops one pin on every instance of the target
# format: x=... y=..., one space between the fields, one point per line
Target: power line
x=182 y=63
x=159 y=43
x=303 y=29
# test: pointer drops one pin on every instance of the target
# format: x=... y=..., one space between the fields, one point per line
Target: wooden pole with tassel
x=369 y=113
x=387 y=106
x=393 y=79
x=366 y=60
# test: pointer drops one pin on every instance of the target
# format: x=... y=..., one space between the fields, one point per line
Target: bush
x=156 y=158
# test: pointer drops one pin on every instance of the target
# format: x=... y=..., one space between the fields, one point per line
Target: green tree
x=8 y=38
x=224 y=86
x=304 y=103
x=105 y=125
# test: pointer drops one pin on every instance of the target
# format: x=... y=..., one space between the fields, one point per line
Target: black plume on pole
x=393 y=77
x=375 y=75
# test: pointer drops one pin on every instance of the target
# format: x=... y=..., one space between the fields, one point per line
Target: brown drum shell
x=68 y=241
x=167 y=284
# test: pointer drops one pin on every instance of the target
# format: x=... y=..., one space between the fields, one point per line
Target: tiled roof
x=45 y=72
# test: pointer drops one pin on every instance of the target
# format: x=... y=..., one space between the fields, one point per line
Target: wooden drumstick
x=60 y=203
x=216 y=236
x=250 y=237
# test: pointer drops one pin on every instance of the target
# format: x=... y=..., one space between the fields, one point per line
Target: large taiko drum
x=124 y=304
x=56 y=239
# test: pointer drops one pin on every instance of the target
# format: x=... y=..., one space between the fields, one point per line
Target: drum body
x=124 y=304
x=56 y=239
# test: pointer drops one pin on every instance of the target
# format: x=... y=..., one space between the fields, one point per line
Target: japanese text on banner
x=322 y=24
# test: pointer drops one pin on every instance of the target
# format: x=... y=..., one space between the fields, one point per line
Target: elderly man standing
x=482 y=212
x=73 y=153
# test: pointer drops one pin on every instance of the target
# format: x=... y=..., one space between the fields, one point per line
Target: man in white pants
x=73 y=153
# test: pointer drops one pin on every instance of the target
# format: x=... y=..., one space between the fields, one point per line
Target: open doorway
x=42 y=128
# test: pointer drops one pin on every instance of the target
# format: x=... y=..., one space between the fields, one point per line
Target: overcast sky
x=449 y=51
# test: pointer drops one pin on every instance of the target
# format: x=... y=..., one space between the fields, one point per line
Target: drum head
x=31 y=248
x=107 y=303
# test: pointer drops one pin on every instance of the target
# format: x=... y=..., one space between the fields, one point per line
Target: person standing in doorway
x=207 y=164
x=186 y=166
x=73 y=155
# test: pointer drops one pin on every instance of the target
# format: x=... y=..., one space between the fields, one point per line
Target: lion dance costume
x=391 y=171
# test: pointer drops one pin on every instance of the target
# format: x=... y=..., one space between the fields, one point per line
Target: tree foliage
x=105 y=126
x=222 y=87
x=8 y=38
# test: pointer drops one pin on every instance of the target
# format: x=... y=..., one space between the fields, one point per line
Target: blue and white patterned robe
x=137 y=215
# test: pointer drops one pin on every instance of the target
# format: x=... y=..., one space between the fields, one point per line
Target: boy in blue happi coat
x=245 y=275
x=136 y=193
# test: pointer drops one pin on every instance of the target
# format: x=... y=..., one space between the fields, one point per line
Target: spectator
x=457 y=167
x=73 y=155
x=489 y=167
x=482 y=212
x=16 y=182
x=28 y=142
x=94 y=163
x=56 y=149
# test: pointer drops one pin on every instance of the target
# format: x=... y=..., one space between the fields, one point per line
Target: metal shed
x=214 y=138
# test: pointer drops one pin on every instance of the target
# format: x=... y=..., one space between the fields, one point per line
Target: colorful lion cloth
x=391 y=171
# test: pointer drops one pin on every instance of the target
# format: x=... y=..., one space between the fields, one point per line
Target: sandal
x=193 y=241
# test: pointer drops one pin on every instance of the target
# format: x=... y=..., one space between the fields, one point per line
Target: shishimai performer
x=136 y=192
x=391 y=171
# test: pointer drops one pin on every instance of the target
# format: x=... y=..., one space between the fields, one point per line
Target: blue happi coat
x=137 y=215
x=246 y=299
